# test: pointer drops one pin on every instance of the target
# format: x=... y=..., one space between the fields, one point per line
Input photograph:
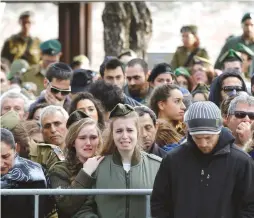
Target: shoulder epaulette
x=154 y=157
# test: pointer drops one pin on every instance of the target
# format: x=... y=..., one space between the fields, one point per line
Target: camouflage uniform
x=19 y=47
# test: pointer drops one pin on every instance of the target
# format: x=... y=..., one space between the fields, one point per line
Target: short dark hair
x=26 y=14
x=138 y=61
x=60 y=71
x=161 y=93
x=142 y=110
x=86 y=95
x=112 y=64
x=8 y=138
x=109 y=95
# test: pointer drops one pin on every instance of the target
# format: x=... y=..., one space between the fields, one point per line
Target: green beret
x=9 y=120
x=160 y=69
x=247 y=16
x=75 y=116
x=230 y=55
x=201 y=88
x=181 y=71
x=121 y=110
x=51 y=47
x=190 y=28
x=19 y=66
x=244 y=49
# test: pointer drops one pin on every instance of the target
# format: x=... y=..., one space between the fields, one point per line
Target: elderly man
x=240 y=117
x=147 y=120
x=208 y=176
x=53 y=121
x=16 y=101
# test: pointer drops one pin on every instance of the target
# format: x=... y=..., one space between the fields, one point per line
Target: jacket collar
x=136 y=157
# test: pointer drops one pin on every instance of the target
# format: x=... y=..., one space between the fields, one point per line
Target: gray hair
x=14 y=94
x=245 y=99
x=52 y=109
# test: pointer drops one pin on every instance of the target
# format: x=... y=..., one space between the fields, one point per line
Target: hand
x=91 y=164
x=51 y=99
x=243 y=131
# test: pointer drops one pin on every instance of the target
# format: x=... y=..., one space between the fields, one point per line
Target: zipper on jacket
x=127 y=179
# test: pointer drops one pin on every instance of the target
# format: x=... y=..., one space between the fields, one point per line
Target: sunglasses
x=243 y=114
x=232 y=88
x=55 y=90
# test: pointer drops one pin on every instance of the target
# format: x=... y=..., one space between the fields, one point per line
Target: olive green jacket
x=18 y=47
x=232 y=44
x=34 y=75
x=181 y=55
x=61 y=176
x=110 y=174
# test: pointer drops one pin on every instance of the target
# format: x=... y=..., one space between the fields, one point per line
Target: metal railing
x=37 y=192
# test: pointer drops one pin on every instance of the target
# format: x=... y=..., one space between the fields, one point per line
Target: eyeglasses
x=232 y=88
x=55 y=90
x=243 y=114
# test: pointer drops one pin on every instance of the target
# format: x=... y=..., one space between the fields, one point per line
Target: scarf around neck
x=23 y=171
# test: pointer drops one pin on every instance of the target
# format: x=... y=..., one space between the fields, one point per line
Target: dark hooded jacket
x=196 y=185
x=215 y=88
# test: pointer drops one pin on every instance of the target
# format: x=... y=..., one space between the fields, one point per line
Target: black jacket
x=195 y=185
x=155 y=149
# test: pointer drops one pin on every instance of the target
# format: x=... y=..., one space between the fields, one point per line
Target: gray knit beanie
x=203 y=117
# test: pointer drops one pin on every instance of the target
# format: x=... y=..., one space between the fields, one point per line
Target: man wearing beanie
x=207 y=176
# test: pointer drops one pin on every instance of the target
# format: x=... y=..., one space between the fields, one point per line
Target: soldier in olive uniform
x=183 y=56
x=50 y=53
x=247 y=55
x=247 y=38
x=23 y=45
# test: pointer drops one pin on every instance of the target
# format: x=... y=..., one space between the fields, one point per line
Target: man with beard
x=247 y=38
x=137 y=86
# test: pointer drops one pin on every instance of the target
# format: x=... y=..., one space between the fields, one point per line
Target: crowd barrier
x=38 y=192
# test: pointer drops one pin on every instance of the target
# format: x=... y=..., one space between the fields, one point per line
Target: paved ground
x=216 y=21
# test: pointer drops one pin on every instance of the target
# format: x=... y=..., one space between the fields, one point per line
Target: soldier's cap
x=247 y=16
x=76 y=116
x=198 y=59
x=121 y=110
x=201 y=88
x=230 y=55
x=190 y=28
x=81 y=59
x=181 y=71
x=244 y=49
x=9 y=120
x=26 y=14
x=51 y=47
x=18 y=66
x=158 y=69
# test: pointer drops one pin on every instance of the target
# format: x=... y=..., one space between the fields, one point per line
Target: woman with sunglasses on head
x=82 y=142
x=125 y=166
x=86 y=102
x=57 y=86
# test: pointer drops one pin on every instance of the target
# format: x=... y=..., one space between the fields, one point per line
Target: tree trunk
x=127 y=25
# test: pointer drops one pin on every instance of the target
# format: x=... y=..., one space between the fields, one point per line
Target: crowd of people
x=183 y=129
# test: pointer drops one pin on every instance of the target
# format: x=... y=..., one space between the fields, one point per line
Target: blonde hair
x=72 y=135
x=109 y=146
x=166 y=134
